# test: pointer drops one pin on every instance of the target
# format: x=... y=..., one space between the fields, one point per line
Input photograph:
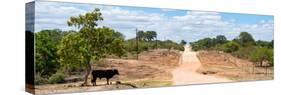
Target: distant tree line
x=146 y=40
x=243 y=46
x=146 y=36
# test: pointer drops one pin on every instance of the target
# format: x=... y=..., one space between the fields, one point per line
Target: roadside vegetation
x=147 y=41
x=244 y=46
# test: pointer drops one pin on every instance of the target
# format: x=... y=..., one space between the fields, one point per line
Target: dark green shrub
x=230 y=47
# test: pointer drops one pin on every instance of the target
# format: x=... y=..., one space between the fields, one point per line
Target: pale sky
x=169 y=24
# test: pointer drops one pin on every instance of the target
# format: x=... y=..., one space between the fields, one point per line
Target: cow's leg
x=94 y=81
x=107 y=80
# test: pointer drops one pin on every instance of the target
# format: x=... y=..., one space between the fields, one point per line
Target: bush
x=244 y=52
x=261 y=55
x=40 y=80
x=47 y=62
x=57 y=78
x=230 y=47
x=203 y=44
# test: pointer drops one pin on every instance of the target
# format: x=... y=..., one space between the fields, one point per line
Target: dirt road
x=186 y=72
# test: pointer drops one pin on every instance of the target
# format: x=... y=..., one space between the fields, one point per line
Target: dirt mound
x=223 y=64
x=221 y=58
x=161 y=56
x=153 y=64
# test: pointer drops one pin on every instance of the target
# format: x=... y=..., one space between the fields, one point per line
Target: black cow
x=103 y=74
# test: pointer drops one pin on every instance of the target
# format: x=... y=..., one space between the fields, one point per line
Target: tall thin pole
x=156 y=41
x=137 y=44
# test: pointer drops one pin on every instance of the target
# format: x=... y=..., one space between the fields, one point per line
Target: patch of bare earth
x=152 y=69
x=225 y=65
x=186 y=72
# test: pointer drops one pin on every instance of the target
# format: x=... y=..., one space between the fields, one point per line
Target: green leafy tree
x=47 y=61
x=183 y=42
x=205 y=43
x=271 y=44
x=90 y=44
x=146 y=36
x=141 y=35
x=220 y=39
x=150 y=35
x=245 y=39
x=262 y=55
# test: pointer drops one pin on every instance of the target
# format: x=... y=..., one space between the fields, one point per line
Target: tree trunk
x=88 y=70
x=266 y=70
x=253 y=69
x=261 y=64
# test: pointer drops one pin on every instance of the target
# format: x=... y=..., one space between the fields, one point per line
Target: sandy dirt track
x=186 y=72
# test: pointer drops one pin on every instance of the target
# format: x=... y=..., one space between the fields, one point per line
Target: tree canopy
x=220 y=39
x=146 y=35
x=47 y=61
x=245 y=39
x=90 y=44
x=183 y=42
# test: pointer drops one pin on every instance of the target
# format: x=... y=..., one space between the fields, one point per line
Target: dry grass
x=153 y=83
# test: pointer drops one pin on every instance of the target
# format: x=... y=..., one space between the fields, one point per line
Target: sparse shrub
x=58 y=77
